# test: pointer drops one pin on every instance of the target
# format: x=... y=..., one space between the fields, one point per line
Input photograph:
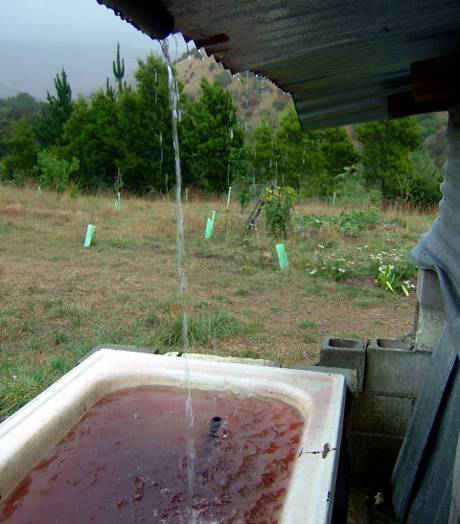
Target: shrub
x=244 y=197
x=278 y=204
x=55 y=172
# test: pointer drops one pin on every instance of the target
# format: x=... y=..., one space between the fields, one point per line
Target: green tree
x=21 y=152
x=303 y=161
x=310 y=161
x=211 y=140
x=92 y=136
x=144 y=120
x=130 y=131
x=50 y=127
x=426 y=191
x=22 y=106
x=264 y=154
x=386 y=155
x=338 y=152
x=119 y=69
x=109 y=90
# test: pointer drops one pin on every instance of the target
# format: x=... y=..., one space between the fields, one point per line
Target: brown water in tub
x=126 y=461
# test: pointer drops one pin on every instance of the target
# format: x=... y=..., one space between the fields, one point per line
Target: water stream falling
x=182 y=274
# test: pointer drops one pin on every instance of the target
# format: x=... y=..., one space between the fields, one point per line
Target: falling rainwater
x=160 y=138
x=181 y=273
x=173 y=100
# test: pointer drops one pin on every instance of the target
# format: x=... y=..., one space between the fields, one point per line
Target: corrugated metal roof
x=339 y=59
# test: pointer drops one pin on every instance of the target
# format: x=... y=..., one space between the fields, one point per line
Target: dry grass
x=58 y=300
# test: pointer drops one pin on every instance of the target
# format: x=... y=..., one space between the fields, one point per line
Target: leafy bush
x=278 y=204
x=426 y=192
x=55 y=172
x=352 y=188
x=352 y=222
x=244 y=197
x=358 y=221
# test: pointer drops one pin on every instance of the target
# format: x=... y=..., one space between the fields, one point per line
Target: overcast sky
x=40 y=37
x=61 y=21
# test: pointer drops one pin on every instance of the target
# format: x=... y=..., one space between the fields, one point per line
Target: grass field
x=59 y=300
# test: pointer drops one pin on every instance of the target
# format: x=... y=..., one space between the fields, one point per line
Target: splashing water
x=180 y=244
x=181 y=273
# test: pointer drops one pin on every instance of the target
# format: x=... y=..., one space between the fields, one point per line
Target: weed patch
x=352 y=222
x=202 y=329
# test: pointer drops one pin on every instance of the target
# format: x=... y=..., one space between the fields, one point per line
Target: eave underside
x=339 y=60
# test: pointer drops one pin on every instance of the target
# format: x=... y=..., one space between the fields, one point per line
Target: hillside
x=255 y=97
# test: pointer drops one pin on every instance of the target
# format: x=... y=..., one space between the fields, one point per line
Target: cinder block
x=388 y=415
x=395 y=371
x=345 y=353
x=403 y=343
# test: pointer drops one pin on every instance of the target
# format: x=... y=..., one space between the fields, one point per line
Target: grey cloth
x=423 y=482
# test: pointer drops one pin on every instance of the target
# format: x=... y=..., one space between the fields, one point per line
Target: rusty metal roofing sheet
x=339 y=59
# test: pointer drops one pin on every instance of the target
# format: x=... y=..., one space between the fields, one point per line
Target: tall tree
x=109 y=90
x=264 y=154
x=91 y=135
x=302 y=161
x=310 y=161
x=50 y=126
x=386 y=155
x=210 y=139
x=21 y=151
x=144 y=120
x=22 y=106
x=119 y=69
x=130 y=131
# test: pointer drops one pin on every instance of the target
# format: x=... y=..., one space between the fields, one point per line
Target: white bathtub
x=29 y=434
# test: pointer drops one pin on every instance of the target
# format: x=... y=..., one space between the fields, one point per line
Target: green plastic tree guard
x=89 y=235
x=209 y=228
x=282 y=257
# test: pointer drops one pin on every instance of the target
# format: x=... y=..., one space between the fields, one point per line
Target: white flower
x=313 y=271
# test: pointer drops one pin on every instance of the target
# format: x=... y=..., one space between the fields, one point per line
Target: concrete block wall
x=391 y=373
